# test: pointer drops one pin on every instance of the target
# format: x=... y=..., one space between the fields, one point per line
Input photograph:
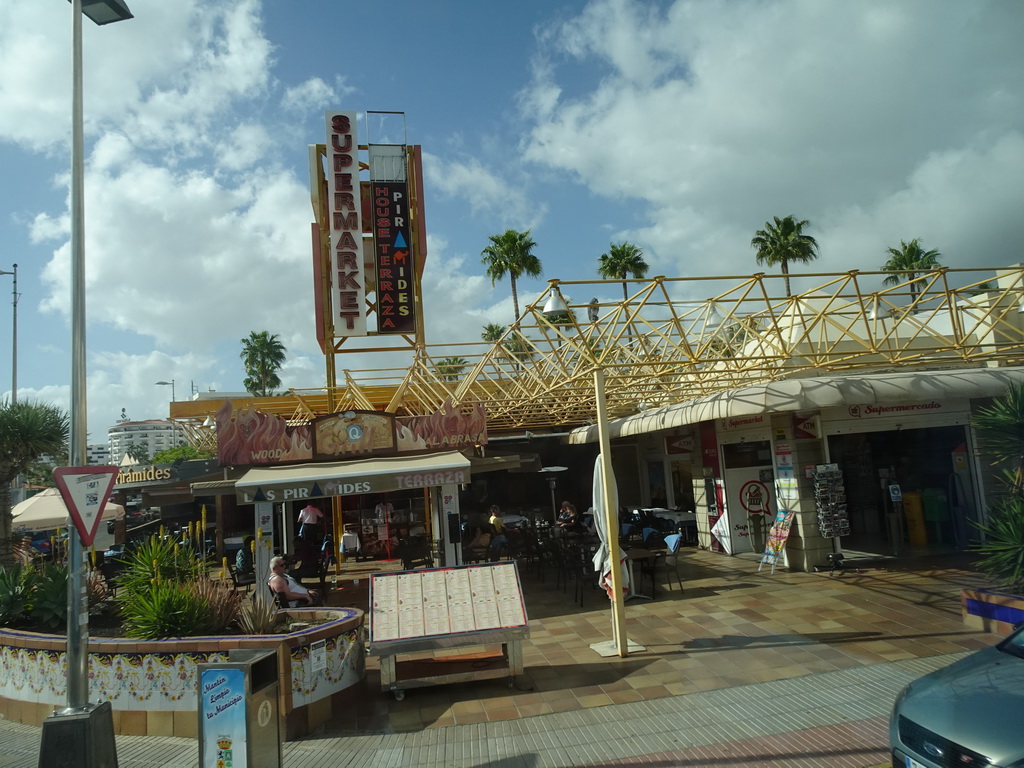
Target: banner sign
x=348 y=285
x=393 y=257
x=777 y=537
x=248 y=438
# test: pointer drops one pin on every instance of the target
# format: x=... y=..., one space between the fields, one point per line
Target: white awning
x=813 y=394
x=312 y=481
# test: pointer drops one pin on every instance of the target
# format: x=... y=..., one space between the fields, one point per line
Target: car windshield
x=1014 y=644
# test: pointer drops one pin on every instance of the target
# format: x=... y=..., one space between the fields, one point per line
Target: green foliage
x=257 y=617
x=1000 y=433
x=165 y=592
x=263 y=354
x=511 y=253
x=34 y=596
x=907 y=261
x=783 y=241
x=159 y=558
x=222 y=603
x=1002 y=550
x=450 y=368
x=165 y=609
x=183 y=452
x=622 y=260
x=15 y=586
x=138 y=453
x=48 y=602
x=28 y=430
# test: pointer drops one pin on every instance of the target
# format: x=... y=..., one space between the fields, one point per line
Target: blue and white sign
x=222 y=717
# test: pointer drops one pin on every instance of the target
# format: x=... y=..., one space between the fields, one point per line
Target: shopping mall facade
x=847 y=404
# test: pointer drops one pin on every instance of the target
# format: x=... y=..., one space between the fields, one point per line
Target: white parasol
x=602 y=564
x=46 y=510
x=602 y=558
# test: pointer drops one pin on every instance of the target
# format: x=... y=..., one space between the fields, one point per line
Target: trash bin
x=239 y=722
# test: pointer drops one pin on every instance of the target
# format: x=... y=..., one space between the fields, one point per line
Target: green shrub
x=258 y=617
x=15 y=587
x=160 y=558
x=48 y=600
x=165 y=609
x=1000 y=433
x=1002 y=551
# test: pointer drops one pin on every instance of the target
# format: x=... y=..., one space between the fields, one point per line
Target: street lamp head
x=103 y=12
x=164 y=383
x=555 y=306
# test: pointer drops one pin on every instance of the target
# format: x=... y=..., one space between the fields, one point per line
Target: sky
x=681 y=127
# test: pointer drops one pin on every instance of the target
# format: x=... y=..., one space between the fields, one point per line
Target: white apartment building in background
x=97 y=455
x=154 y=435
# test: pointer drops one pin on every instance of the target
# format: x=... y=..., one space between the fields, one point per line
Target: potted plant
x=1000 y=434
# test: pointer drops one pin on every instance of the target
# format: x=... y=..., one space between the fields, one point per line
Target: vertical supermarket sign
x=344 y=211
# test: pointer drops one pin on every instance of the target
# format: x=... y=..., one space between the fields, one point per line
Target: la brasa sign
x=85 y=491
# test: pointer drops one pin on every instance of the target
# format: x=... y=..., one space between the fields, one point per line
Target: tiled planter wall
x=152 y=684
x=991 y=611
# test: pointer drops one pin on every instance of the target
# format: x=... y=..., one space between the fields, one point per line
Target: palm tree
x=784 y=241
x=263 y=355
x=511 y=253
x=906 y=262
x=493 y=332
x=450 y=368
x=622 y=260
x=28 y=430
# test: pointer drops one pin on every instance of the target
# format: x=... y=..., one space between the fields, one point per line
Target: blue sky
x=680 y=126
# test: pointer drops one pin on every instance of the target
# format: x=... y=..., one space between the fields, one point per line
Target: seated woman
x=243 y=559
x=569 y=519
x=281 y=583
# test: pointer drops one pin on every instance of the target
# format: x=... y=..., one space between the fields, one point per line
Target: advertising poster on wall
x=222 y=716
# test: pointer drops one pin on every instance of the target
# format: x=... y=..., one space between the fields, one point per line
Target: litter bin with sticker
x=239 y=722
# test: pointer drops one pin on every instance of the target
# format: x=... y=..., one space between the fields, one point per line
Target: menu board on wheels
x=406 y=605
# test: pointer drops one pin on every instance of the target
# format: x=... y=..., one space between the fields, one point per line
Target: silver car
x=969 y=714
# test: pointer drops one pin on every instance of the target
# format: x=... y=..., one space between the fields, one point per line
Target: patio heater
x=552 y=484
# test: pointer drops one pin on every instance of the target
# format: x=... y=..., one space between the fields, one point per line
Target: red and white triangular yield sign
x=85 y=491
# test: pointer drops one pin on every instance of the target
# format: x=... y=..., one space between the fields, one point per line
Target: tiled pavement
x=741 y=669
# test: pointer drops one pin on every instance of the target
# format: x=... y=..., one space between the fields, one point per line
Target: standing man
x=309 y=519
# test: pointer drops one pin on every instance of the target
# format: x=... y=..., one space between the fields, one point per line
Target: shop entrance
x=932 y=469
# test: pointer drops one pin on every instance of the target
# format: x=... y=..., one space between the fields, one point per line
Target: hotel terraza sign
x=248 y=438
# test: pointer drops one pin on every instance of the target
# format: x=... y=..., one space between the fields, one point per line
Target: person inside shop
x=309 y=520
x=305 y=559
x=243 y=559
x=569 y=519
x=281 y=583
x=500 y=541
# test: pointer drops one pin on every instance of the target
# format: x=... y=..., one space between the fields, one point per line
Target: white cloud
x=483 y=190
x=721 y=115
x=312 y=95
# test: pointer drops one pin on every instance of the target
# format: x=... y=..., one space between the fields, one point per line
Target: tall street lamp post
x=167 y=384
x=80 y=723
x=14 y=334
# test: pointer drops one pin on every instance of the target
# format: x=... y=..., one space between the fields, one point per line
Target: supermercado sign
x=321 y=487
